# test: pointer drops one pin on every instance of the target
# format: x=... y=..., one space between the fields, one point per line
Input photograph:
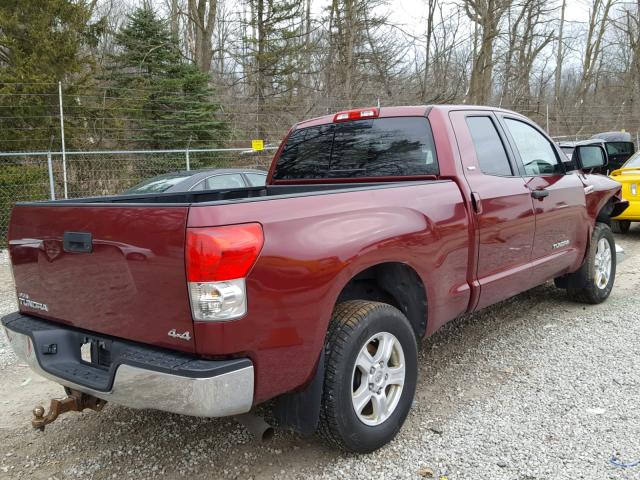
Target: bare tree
x=174 y=18
x=529 y=35
x=559 y=54
x=431 y=10
x=486 y=14
x=201 y=16
x=630 y=29
x=599 y=16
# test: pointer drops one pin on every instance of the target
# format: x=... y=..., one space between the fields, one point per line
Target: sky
x=411 y=13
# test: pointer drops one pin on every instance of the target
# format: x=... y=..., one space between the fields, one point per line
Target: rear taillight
x=218 y=259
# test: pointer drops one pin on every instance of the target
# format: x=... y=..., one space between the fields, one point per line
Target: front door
x=562 y=223
x=505 y=220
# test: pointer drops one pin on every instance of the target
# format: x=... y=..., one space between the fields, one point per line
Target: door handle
x=540 y=194
x=476 y=202
x=77 y=242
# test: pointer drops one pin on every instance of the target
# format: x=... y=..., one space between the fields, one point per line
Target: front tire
x=598 y=272
x=370 y=376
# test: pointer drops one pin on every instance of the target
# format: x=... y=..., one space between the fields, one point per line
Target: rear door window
x=490 y=150
x=398 y=146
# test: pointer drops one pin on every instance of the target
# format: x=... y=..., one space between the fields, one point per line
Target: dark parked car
x=197 y=180
x=618 y=146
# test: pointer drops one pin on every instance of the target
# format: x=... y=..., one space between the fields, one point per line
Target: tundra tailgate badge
x=25 y=301
x=182 y=336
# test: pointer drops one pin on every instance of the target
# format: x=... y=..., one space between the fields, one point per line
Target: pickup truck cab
x=375 y=227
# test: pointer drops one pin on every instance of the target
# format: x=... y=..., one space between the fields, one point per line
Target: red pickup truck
x=376 y=227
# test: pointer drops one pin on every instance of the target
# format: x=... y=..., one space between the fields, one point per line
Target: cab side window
x=537 y=155
x=490 y=150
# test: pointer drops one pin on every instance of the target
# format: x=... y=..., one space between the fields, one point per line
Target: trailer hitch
x=75 y=402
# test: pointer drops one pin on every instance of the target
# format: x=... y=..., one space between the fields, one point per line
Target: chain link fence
x=30 y=176
x=99 y=125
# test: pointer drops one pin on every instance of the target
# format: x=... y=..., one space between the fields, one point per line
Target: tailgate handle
x=77 y=242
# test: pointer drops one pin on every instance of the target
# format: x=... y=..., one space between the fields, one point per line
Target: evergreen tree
x=171 y=101
x=275 y=49
x=41 y=43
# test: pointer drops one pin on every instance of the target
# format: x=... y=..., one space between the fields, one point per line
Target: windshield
x=398 y=146
x=158 y=184
x=634 y=161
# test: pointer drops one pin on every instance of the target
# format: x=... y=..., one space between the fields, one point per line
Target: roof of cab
x=403 y=111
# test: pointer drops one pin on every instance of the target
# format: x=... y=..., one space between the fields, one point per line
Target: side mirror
x=586 y=157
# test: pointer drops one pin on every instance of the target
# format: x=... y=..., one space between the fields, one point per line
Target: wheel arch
x=395 y=283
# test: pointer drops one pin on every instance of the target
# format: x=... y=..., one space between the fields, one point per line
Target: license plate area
x=96 y=352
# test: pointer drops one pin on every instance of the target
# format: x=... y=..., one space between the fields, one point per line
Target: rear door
x=562 y=223
x=120 y=272
x=502 y=203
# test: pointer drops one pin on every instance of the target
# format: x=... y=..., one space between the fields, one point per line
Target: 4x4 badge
x=182 y=336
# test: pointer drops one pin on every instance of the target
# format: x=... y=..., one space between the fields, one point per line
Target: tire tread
x=345 y=319
x=589 y=293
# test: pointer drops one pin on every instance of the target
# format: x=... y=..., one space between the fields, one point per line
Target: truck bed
x=235 y=195
x=132 y=284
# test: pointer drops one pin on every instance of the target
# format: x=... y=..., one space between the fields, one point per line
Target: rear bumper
x=132 y=375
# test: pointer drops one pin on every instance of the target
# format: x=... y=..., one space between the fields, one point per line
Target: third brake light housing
x=359 y=114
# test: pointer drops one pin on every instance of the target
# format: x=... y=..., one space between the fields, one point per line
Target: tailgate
x=120 y=273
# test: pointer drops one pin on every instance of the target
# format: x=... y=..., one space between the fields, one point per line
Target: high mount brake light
x=218 y=259
x=360 y=114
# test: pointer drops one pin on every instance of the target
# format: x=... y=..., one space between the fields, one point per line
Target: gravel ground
x=536 y=387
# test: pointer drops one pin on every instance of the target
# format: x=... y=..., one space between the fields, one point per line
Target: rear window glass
x=399 y=146
x=619 y=148
x=158 y=184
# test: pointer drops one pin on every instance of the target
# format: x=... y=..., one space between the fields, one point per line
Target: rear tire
x=598 y=272
x=620 y=226
x=370 y=376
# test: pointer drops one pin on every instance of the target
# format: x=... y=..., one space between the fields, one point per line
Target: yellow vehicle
x=629 y=176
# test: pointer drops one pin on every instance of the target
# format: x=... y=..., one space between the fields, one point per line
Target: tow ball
x=75 y=402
